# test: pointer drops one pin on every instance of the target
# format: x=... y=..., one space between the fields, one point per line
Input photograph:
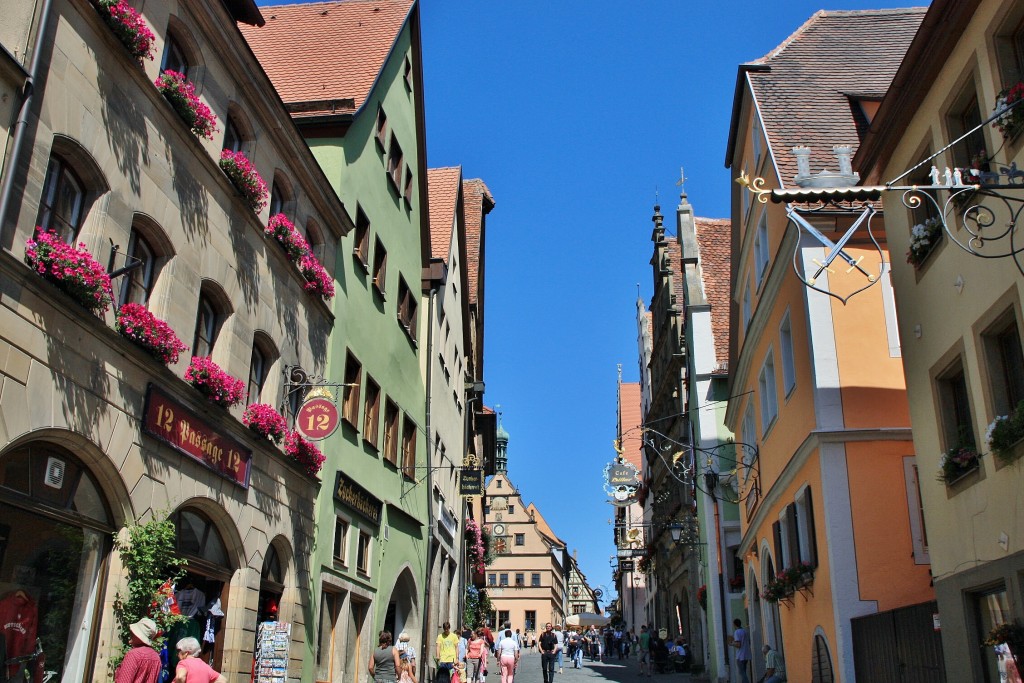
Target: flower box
x=218 y=386
x=72 y=269
x=129 y=27
x=182 y=95
x=264 y=420
x=303 y=452
x=245 y=178
x=1005 y=435
x=956 y=463
x=136 y=324
x=291 y=240
x=1011 y=123
x=923 y=239
x=318 y=280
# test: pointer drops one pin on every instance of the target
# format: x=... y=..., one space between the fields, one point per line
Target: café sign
x=622 y=481
x=471 y=481
x=167 y=420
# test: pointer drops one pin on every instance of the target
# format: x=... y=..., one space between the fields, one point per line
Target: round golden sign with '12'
x=317 y=419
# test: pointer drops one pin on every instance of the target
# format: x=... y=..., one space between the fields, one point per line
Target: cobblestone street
x=625 y=671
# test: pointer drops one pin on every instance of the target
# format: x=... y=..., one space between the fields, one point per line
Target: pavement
x=615 y=670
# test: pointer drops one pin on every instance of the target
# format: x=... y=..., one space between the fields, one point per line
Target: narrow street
x=625 y=671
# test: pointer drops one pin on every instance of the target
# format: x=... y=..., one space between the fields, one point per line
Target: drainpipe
x=21 y=123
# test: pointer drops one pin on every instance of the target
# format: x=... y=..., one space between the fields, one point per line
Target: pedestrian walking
x=560 y=637
x=644 y=648
x=508 y=656
x=141 y=664
x=192 y=669
x=446 y=651
x=476 y=655
x=406 y=651
x=386 y=661
x=741 y=641
x=548 y=644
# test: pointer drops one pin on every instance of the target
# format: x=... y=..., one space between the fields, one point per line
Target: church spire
x=501 y=457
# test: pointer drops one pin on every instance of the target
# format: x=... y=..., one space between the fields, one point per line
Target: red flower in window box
x=137 y=324
x=218 y=386
x=265 y=421
x=245 y=178
x=1012 y=122
x=129 y=27
x=304 y=453
x=318 y=280
x=182 y=95
x=283 y=230
x=72 y=269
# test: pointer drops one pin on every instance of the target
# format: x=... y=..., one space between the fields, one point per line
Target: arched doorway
x=55 y=536
x=772 y=621
x=403 y=608
x=272 y=578
x=755 y=628
x=202 y=593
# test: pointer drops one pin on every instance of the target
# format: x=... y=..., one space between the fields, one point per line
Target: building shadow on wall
x=246 y=269
x=193 y=202
x=125 y=127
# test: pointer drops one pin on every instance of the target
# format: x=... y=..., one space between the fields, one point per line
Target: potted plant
x=72 y=269
x=127 y=24
x=182 y=95
x=136 y=324
x=923 y=238
x=475 y=550
x=218 y=386
x=245 y=178
x=1010 y=635
x=265 y=421
x=1004 y=432
x=799 y=575
x=1012 y=121
x=736 y=584
x=956 y=462
x=776 y=589
x=304 y=453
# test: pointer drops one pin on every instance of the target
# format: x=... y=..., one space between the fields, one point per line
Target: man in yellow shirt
x=447 y=652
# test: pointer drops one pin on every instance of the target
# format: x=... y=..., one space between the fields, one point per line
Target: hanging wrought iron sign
x=976 y=208
x=622 y=482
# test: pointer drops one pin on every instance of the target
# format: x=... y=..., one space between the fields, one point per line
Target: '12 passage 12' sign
x=175 y=425
x=317 y=419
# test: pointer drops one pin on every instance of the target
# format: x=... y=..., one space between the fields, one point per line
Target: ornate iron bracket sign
x=298 y=380
x=985 y=230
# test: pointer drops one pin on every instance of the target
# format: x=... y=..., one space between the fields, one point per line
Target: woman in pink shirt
x=191 y=669
x=477 y=654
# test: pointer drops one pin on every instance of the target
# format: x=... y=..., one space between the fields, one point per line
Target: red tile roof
x=478 y=203
x=713 y=246
x=630 y=420
x=327 y=51
x=442 y=198
x=805 y=96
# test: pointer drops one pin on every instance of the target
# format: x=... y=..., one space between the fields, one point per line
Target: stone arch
x=403 y=606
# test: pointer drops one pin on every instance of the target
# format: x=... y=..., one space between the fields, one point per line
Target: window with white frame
x=767 y=394
x=786 y=349
x=1005 y=363
x=761 y=252
x=807 y=550
x=915 y=506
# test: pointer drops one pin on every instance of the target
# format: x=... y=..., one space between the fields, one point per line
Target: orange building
x=817 y=384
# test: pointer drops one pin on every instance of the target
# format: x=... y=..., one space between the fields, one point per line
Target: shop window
x=363 y=553
x=1005 y=362
x=199 y=541
x=207 y=326
x=350 y=394
x=330 y=611
x=271 y=586
x=954 y=408
x=62 y=205
x=371 y=412
x=391 y=432
x=138 y=283
x=535 y=580
x=361 y=245
x=380 y=266
x=55 y=532
x=409 y=448
x=992 y=608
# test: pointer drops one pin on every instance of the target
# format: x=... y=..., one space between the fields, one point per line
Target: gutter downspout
x=430 y=487
x=21 y=122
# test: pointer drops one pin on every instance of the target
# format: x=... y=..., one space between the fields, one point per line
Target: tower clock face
x=499 y=529
x=500 y=546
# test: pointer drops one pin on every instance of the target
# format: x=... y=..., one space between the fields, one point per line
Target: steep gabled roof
x=806 y=88
x=543 y=527
x=713 y=246
x=478 y=202
x=443 y=185
x=327 y=52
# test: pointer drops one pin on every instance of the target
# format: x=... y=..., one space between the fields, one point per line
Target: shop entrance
x=202 y=594
x=55 y=531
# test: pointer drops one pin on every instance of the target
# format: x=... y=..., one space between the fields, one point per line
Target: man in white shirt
x=560 y=636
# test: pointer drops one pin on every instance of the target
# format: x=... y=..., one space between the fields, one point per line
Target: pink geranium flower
x=245 y=178
x=218 y=386
x=304 y=453
x=182 y=96
x=128 y=25
x=136 y=323
x=72 y=269
x=265 y=421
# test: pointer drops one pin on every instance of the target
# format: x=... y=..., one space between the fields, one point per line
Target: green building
x=350 y=74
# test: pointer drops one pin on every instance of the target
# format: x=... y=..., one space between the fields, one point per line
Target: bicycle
x=23 y=661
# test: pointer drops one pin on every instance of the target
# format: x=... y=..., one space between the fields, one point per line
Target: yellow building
x=960 y=312
x=816 y=383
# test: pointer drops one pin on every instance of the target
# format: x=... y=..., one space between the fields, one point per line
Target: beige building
x=102 y=158
x=959 y=308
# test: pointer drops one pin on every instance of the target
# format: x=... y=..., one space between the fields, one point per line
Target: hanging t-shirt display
x=18 y=623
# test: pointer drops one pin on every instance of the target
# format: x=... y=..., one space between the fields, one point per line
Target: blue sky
x=574 y=112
